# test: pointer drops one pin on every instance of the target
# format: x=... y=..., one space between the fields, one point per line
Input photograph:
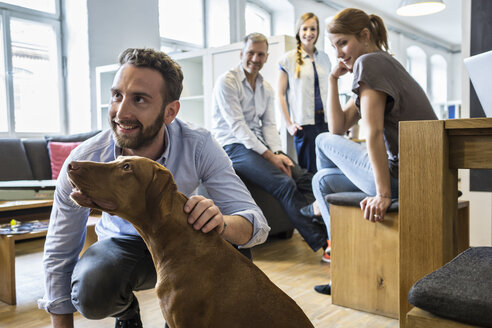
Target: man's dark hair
x=159 y=61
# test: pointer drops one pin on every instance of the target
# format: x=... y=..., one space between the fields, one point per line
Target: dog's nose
x=72 y=166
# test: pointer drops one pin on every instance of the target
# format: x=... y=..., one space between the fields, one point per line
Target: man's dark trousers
x=250 y=165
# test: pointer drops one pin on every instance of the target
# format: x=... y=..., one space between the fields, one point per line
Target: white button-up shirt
x=300 y=91
x=241 y=115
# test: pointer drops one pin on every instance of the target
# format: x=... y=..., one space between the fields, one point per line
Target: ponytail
x=299 y=60
x=378 y=32
x=352 y=21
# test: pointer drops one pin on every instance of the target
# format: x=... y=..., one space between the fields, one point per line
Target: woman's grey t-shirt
x=406 y=101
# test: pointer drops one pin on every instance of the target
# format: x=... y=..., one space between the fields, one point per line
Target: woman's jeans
x=343 y=165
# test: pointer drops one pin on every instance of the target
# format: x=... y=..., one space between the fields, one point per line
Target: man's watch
x=278 y=152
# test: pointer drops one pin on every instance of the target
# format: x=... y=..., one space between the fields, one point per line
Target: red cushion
x=59 y=152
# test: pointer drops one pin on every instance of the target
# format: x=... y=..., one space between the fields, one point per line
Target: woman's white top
x=300 y=91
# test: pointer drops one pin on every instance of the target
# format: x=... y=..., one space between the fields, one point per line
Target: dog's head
x=124 y=187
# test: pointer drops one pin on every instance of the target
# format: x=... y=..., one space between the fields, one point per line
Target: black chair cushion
x=353 y=198
x=461 y=290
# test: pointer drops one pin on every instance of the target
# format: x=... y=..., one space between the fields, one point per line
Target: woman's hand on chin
x=339 y=69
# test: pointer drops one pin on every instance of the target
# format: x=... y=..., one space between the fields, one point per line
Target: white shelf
x=104 y=80
x=192 y=110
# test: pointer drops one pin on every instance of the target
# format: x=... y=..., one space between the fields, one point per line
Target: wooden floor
x=289 y=263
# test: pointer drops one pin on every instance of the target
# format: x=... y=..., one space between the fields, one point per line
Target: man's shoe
x=308 y=211
x=318 y=220
x=323 y=289
x=134 y=322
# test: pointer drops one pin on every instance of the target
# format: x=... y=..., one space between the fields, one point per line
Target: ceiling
x=444 y=27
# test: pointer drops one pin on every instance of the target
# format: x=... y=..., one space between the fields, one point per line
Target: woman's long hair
x=299 y=60
x=352 y=21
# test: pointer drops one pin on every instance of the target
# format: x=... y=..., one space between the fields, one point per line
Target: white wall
x=115 y=25
x=76 y=50
x=96 y=33
x=283 y=19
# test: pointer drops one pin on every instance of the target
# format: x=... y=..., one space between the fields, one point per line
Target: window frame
x=7 y=12
x=433 y=75
x=410 y=67
x=234 y=35
x=265 y=9
x=181 y=46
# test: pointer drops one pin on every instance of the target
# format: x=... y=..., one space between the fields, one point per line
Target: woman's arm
x=339 y=119
x=372 y=112
x=283 y=81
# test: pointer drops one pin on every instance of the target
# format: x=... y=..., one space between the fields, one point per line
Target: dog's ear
x=162 y=183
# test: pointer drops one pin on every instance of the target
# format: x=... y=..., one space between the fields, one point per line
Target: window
x=439 y=79
x=257 y=20
x=48 y=6
x=417 y=65
x=36 y=89
x=31 y=70
x=218 y=26
x=181 y=22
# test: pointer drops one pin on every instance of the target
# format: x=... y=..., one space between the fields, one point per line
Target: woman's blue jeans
x=343 y=165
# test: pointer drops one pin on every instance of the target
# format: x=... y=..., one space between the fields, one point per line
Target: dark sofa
x=29 y=159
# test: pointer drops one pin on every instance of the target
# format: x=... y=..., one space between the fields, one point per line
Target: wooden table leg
x=7 y=270
x=427 y=204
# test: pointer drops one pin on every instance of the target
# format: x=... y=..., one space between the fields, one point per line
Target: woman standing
x=384 y=95
x=302 y=88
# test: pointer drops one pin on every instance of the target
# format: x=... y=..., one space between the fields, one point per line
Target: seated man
x=142 y=113
x=244 y=124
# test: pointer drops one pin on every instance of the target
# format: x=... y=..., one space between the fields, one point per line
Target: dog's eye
x=126 y=166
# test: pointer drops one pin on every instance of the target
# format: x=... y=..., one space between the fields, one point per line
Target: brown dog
x=202 y=281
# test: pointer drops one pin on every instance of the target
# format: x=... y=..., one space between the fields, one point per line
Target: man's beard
x=144 y=136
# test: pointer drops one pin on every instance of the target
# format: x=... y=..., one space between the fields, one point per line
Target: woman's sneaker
x=327 y=253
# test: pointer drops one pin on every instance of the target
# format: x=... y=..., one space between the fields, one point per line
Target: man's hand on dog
x=204 y=215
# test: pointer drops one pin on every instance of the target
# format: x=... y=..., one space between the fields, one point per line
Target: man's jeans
x=106 y=275
x=343 y=165
x=109 y=271
x=252 y=166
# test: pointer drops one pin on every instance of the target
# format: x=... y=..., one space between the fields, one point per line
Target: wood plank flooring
x=289 y=263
